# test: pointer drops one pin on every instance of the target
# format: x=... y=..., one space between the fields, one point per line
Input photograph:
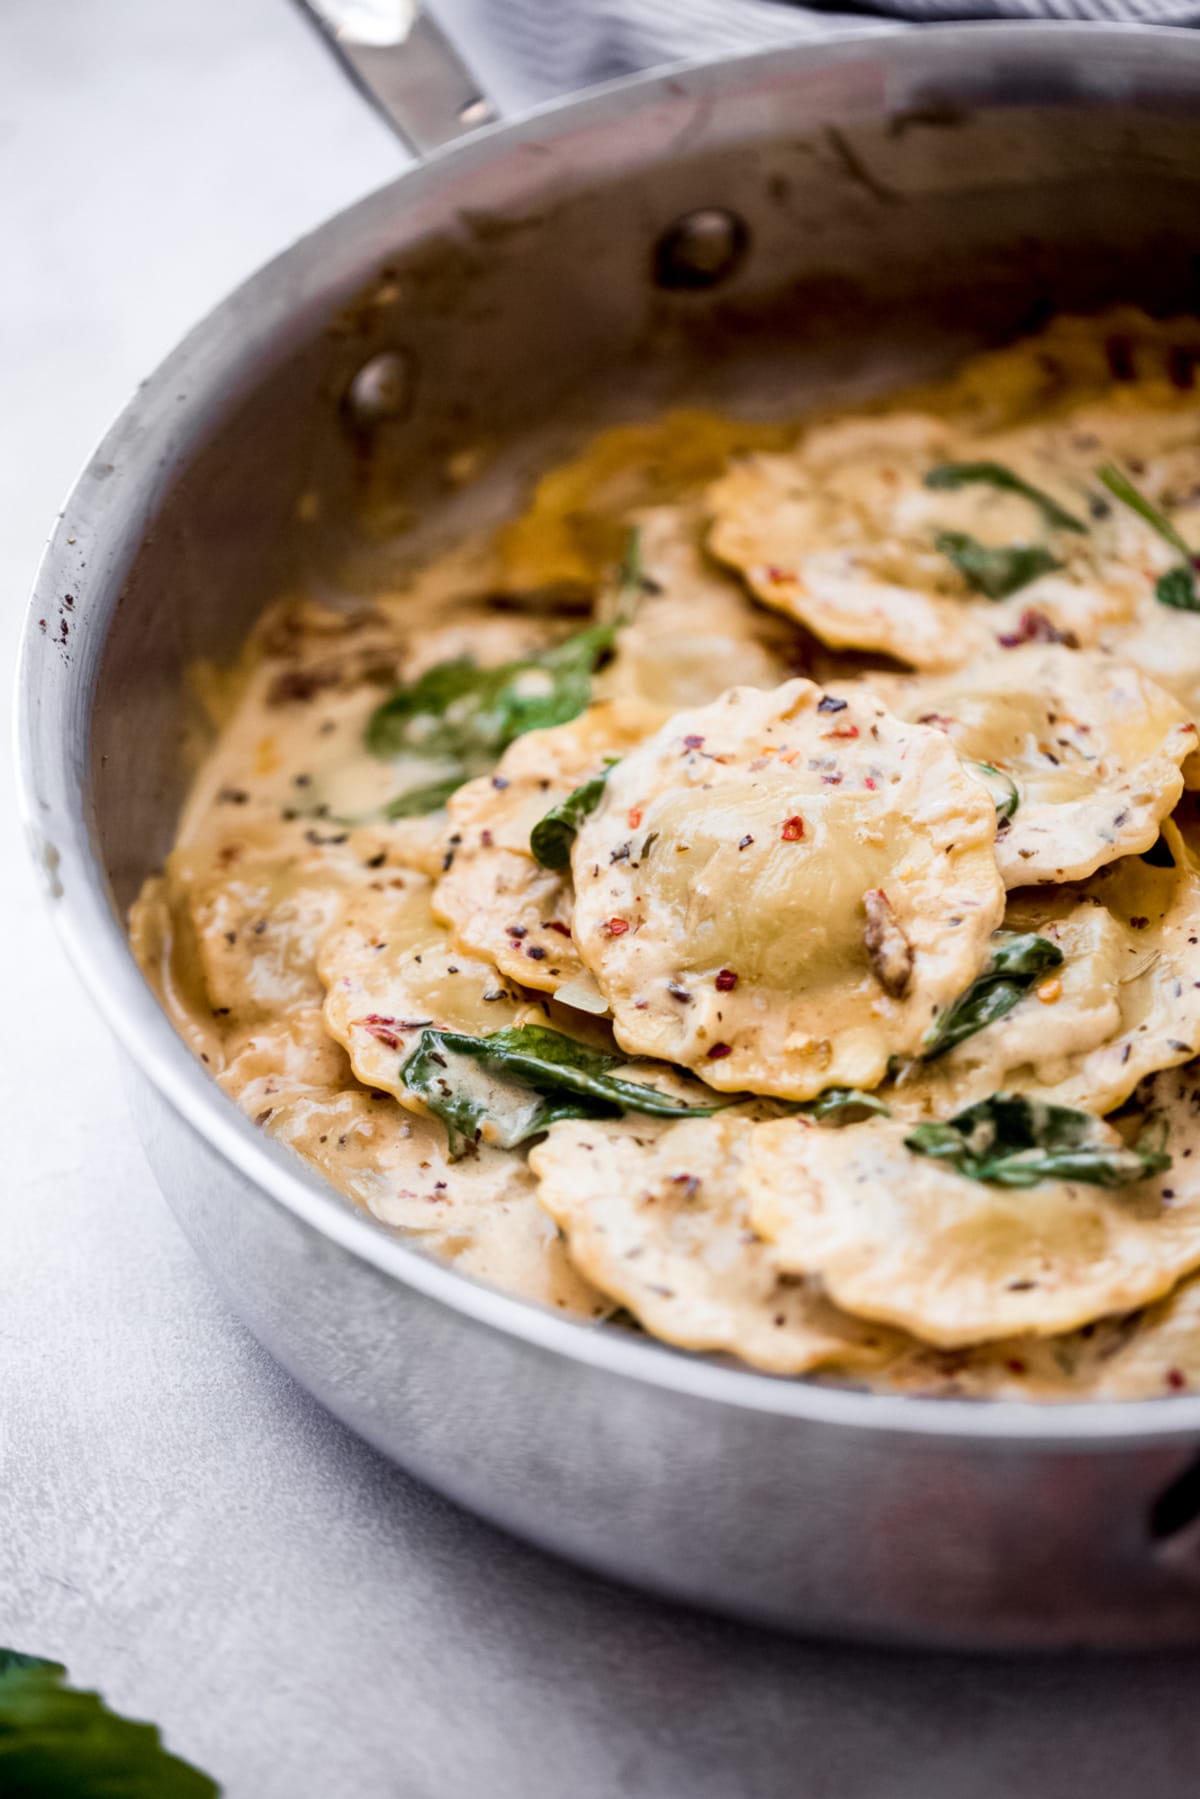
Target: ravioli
x=656 y=1218
x=480 y=1213
x=1124 y=1003
x=499 y=902
x=390 y=972
x=909 y=1242
x=1091 y=748
x=845 y=535
x=783 y=890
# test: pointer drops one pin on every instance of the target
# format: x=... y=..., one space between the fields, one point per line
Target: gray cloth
x=570 y=44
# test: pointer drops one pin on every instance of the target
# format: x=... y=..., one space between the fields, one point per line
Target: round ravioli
x=783 y=890
x=1124 y=1002
x=657 y=1219
x=907 y=1240
x=391 y=972
x=481 y=1213
x=1149 y=1353
x=500 y=902
x=848 y=535
x=1084 y=754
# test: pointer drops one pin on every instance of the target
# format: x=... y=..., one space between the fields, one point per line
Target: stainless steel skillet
x=778 y=228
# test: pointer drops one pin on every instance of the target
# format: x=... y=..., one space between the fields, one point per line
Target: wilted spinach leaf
x=843 y=1105
x=994 y=474
x=417 y=801
x=1013 y=1140
x=1018 y=958
x=466 y=715
x=1004 y=791
x=553 y=836
x=1177 y=588
x=522 y=1080
x=995 y=571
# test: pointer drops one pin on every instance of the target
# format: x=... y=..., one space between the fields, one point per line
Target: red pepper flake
x=870 y=783
x=383 y=1029
x=615 y=927
x=842 y=731
x=1176 y=1379
x=635 y=817
x=793 y=831
x=690 y=1184
x=774 y=573
x=554 y=924
x=719 y=1051
x=726 y=980
x=693 y=742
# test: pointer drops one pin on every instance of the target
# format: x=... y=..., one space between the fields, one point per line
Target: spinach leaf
x=417 y=801
x=1018 y=958
x=1177 y=588
x=1004 y=791
x=949 y=475
x=522 y=1080
x=59 y=1743
x=1012 y=1140
x=843 y=1105
x=995 y=571
x=469 y=715
x=552 y=837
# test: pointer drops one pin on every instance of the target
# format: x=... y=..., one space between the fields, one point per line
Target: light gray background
x=178 y=1522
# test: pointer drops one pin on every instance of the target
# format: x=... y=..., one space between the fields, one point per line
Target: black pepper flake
x=692 y=742
x=827 y=703
x=746 y=841
x=1138 y=923
x=376 y=861
x=535 y=952
x=679 y=993
x=233 y=796
x=315 y=837
x=499 y=783
x=517 y=930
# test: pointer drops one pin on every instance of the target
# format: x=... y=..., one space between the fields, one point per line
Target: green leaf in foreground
x=950 y=475
x=520 y=1081
x=995 y=571
x=553 y=836
x=1012 y=1140
x=1017 y=961
x=58 y=1743
x=1177 y=588
x=1003 y=789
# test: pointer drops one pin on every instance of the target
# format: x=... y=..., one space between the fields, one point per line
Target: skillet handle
x=399 y=57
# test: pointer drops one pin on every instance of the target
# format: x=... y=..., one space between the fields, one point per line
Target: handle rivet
x=701 y=249
x=381 y=391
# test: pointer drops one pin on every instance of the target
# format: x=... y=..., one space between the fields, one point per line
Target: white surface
x=178 y=1523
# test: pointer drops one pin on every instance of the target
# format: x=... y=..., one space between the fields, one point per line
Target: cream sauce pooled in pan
x=756 y=898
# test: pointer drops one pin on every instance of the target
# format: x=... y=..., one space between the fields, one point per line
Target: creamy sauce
x=877 y=698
